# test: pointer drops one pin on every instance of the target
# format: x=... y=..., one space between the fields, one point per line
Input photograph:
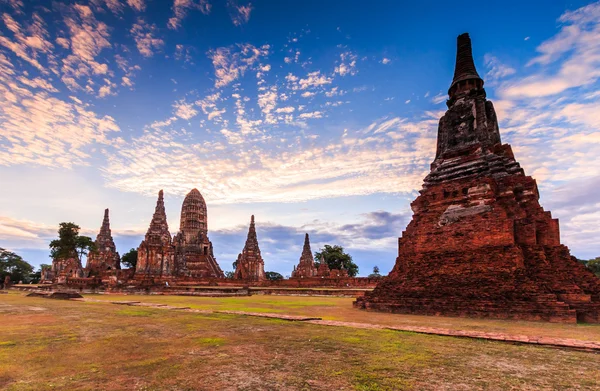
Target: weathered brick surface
x=479 y=243
x=250 y=265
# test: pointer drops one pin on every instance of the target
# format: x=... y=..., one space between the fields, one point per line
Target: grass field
x=66 y=345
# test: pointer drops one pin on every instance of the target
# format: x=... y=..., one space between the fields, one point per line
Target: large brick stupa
x=479 y=243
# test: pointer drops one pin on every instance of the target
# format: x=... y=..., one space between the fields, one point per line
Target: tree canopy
x=129 y=259
x=336 y=258
x=594 y=265
x=273 y=276
x=14 y=266
x=375 y=273
x=70 y=244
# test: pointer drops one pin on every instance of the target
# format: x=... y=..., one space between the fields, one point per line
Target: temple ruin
x=306 y=266
x=250 y=265
x=105 y=257
x=479 y=243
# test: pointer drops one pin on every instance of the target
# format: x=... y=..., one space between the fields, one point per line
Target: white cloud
x=577 y=46
x=231 y=62
x=184 y=110
x=138 y=5
x=496 y=69
x=385 y=61
x=347 y=64
x=181 y=7
x=145 y=38
x=240 y=14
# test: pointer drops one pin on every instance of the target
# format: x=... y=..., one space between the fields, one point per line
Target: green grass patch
x=214 y=341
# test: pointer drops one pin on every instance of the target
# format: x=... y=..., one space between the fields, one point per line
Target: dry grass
x=65 y=345
x=335 y=308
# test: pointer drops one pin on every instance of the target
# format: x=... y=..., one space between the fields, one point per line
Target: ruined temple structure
x=105 y=257
x=187 y=254
x=250 y=265
x=193 y=250
x=155 y=253
x=62 y=269
x=306 y=267
x=479 y=243
x=323 y=269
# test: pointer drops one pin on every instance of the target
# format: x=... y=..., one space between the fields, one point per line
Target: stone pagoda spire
x=155 y=254
x=105 y=257
x=469 y=128
x=250 y=265
x=479 y=243
x=465 y=73
x=158 y=232
x=306 y=266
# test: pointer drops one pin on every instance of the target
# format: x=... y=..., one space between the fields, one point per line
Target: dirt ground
x=67 y=345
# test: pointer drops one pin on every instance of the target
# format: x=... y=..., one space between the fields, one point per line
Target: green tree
x=14 y=266
x=594 y=265
x=375 y=273
x=229 y=274
x=129 y=259
x=273 y=276
x=336 y=258
x=70 y=244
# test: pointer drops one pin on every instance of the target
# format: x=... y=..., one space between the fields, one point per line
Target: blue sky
x=314 y=116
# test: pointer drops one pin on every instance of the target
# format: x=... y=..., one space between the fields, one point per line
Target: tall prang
x=306 y=266
x=193 y=250
x=479 y=243
x=155 y=253
x=250 y=265
x=105 y=257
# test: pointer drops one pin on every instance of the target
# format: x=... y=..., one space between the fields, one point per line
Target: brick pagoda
x=105 y=257
x=193 y=250
x=306 y=267
x=250 y=265
x=155 y=253
x=479 y=243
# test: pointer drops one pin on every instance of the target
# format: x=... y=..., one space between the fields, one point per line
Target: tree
x=273 y=276
x=14 y=266
x=594 y=265
x=375 y=273
x=129 y=259
x=70 y=244
x=336 y=258
x=37 y=276
x=229 y=274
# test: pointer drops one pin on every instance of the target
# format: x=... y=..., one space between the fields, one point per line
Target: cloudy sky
x=315 y=116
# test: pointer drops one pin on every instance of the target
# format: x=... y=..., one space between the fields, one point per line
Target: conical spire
x=105 y=229
x=306 y=251
x=251 y=240
x=465 y=67
x=158 y=225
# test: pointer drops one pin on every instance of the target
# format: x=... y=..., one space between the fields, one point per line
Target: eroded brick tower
x=250 y=265
x=193 y=250
x=306 y=266
x=155 y=253
x=479 y=243
x=105 y=257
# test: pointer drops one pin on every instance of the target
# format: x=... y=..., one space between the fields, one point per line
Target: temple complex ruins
x=105 y=257
x=250 y=265
x=479 y=243
x=189 y=253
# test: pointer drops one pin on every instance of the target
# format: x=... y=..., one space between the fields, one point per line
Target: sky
x=315 y=116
